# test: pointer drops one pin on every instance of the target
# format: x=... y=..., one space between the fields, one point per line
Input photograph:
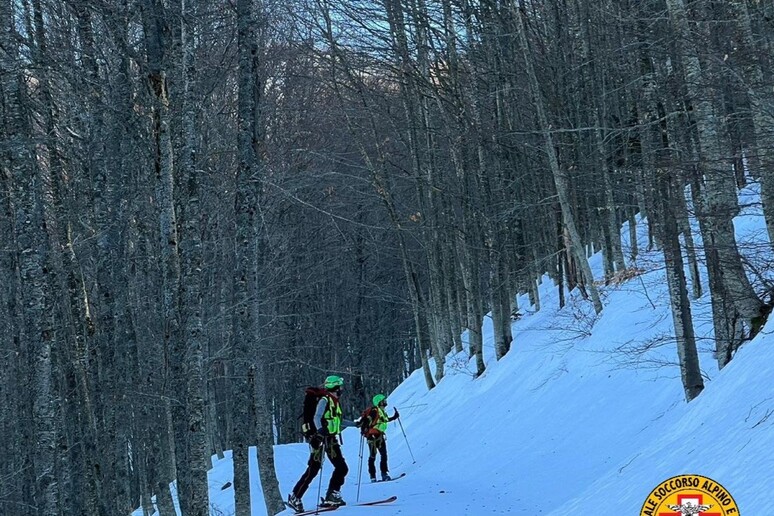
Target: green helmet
x=378 y=399
x=334 y=381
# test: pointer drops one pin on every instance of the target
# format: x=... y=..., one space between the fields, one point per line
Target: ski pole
x=319 y=485
x=407 y=443
x=360 y=467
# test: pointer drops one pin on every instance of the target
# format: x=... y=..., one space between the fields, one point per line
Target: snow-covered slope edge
x=571 y=420
x=564 y=427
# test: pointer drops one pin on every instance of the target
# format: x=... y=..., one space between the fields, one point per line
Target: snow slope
x=572 y=420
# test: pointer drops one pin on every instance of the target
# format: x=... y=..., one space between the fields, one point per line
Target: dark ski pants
x=379 y=444
x=313 y=466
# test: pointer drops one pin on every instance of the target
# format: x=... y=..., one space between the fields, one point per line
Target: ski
x=313 y=511
x=390 y=480
x=334 y=507
x=376 y=502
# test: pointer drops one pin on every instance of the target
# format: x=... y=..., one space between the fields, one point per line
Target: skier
x=373 y=425
x=326 y=425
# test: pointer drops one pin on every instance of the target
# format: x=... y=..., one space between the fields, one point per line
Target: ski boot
x=386 y=477
x=295 y=503
x=373 y=479
x=333 y=499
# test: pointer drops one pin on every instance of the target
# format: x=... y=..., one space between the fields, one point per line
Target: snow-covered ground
x=575 y=419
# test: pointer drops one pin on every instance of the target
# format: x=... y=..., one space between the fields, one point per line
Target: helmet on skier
x=334 y=382
x=378 y=399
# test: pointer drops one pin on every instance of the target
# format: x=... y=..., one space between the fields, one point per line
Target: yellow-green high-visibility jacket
x=382 y=420
x=332 y=414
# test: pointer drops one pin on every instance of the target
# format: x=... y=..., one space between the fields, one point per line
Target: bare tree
x=719 y=195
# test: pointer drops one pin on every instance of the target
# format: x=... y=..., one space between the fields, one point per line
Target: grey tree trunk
x=195 y=437
x=720 y=202
x=631 y=214
x=164 y=162
x=124 y=353
x=162 y=455
x=35 y=296
x=499 y=264
x=469 y=262
x=684 y=224
x=690 y=370
x=450 y=275
x=500 y=307
x=106 y=167
x=265 y=444
x=245 y=272
x=560 y=179
x=262 y=421
x=67 y=283
x=725 y=319
x=10 y=316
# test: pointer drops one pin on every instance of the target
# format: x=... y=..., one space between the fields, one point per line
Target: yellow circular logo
x=689 y=495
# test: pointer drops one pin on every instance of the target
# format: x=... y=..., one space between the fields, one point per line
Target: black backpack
x=312 y=396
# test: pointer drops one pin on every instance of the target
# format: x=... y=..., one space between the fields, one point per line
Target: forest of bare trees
x=209 y=205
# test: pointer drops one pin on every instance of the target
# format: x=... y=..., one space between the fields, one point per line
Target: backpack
x=312 y=396
x=369 y=418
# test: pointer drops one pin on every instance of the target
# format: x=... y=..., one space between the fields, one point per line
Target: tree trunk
x=560 y=178
x=34 y=291
x=683 y=222
x=265 y=445
x=473 y=293
x=157 y=49
x=725 y=319
x=720 y=202
x=633 y=246
x=245 y=273
x=690 y=370
x=194 y=423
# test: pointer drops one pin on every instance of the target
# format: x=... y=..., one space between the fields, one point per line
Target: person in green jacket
x=373 y=426
x=327 y=424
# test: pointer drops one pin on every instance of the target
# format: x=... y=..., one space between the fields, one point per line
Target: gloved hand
x=358 y=422
x=396 y=415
